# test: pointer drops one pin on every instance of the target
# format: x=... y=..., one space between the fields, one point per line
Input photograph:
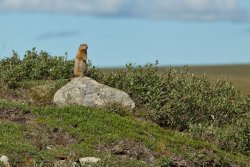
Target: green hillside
x=180 y=119
x=75 y=131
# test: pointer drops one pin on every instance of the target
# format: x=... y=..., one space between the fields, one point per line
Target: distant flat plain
x=239 y=75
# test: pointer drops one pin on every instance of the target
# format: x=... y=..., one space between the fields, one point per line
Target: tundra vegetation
x=180 y=118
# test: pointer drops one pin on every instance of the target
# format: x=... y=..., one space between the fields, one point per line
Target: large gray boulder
x=87 y=92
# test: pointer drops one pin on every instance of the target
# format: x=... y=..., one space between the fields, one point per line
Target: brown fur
x=80 y=67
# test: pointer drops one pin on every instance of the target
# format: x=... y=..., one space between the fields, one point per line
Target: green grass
x=92 y=128
x=16 y=146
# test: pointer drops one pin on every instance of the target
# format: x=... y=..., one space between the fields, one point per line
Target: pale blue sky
x=120 y=31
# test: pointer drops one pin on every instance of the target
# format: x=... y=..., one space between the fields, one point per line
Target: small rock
x=5 y=160
x=89 y=160
x=50 y=147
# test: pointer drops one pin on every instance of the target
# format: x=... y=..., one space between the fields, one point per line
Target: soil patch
x=128 y=149
x=44 y=137
x=17 y=115
x=22 y=95
x=18 y=95
x=41 y=135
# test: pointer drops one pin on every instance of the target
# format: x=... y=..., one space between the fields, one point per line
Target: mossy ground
x=92 y=132
x=34 y=131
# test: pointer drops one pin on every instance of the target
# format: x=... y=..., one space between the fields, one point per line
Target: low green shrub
x=203 y=131
x=232 y=137
x=11 y=71
x=236 y=137
x=143 y=83
x=44 y=66
x=178 y=98
x=34 y=66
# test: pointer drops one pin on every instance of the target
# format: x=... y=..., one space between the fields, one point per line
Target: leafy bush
x=196 y=100
x=203 y=131
x=236 y=137
x=177 y=98
x=11 y=70
x=233 y=137
x=35 y=66
x=45 y=66
x=142 y=83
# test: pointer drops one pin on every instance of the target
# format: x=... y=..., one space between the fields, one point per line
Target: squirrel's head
x=83 y=47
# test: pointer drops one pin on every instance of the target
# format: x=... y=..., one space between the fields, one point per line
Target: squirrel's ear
x=86 y=46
